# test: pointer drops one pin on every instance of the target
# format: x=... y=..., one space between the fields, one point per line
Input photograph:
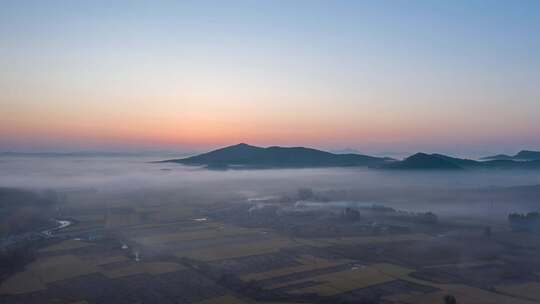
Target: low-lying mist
x=467 y=192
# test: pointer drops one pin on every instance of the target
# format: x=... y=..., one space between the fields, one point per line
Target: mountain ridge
x=426 y=161
x=523 y=155
x=248 y=156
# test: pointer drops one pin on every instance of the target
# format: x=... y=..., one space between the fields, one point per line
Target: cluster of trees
x=382 y=209
x=525 y=222
x=422 y=217
x=427 y=217
x=350 y=214
x=449 y=299
x=307 y=194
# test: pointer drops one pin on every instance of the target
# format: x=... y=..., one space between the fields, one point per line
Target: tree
x=351 y=214
x=449 y=299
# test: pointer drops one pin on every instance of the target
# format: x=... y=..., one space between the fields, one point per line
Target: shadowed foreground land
x=296 y=247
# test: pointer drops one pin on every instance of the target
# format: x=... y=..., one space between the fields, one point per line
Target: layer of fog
x=464 y=192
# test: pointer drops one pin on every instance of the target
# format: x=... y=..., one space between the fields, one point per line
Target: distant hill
x=424 y=161
x=247 y=156
x=510 y=164
x=527 y=155
x=498 y=157
x=462 y=162
x=521 y=156
x=443 y=162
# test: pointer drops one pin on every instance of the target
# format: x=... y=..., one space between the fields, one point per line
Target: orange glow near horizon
x=198 y=131
x=189 y=76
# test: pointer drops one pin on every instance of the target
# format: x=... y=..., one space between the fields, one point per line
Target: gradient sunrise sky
x=448 y=76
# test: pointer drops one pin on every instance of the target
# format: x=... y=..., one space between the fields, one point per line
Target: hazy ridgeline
x=469 y=192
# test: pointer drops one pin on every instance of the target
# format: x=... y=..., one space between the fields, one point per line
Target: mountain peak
x=425 y=161
x=418 y=155
x=244 y=155
x=528 y=155
x=240 y=146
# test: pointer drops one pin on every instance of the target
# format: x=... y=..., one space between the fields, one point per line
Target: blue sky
x=456 y=76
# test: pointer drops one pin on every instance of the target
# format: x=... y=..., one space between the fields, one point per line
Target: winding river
x=61 y=225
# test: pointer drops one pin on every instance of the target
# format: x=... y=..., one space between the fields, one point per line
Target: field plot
x=46 y=270
x=153 y=229
x=360 y=240
x=104 y=260
x=184 y=286
x=57 y=263
x=206 y=232
x=89 y=217
x=307 y=263
x=388 y=292
x=170 y=213
x=83 y=226
x=480 y=274
x=465 y=295
x=22 y=282
x=121 y=269
x=62 y=267
x=65 y=245
x=120 y=220
x=257 y=263
x=262 y=246
x=334 y=283
x=120 y=216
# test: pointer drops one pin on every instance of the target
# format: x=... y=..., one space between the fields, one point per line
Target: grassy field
x=85 y=225
x=89 y=217
x=120 y=220
x=49 y=269
x=307 y=263
x=22 y=282
x=46 y=270
x=190 y=235
x=99 y=261
x=343 y=281
x=171 y=213
x=62 y=267
x=359 y=240
x=132 y=268
x=465 y=295
x=237 y=250
x=347 y=280
x=65 y=245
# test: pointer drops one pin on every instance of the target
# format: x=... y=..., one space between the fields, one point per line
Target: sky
x=460 y=77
